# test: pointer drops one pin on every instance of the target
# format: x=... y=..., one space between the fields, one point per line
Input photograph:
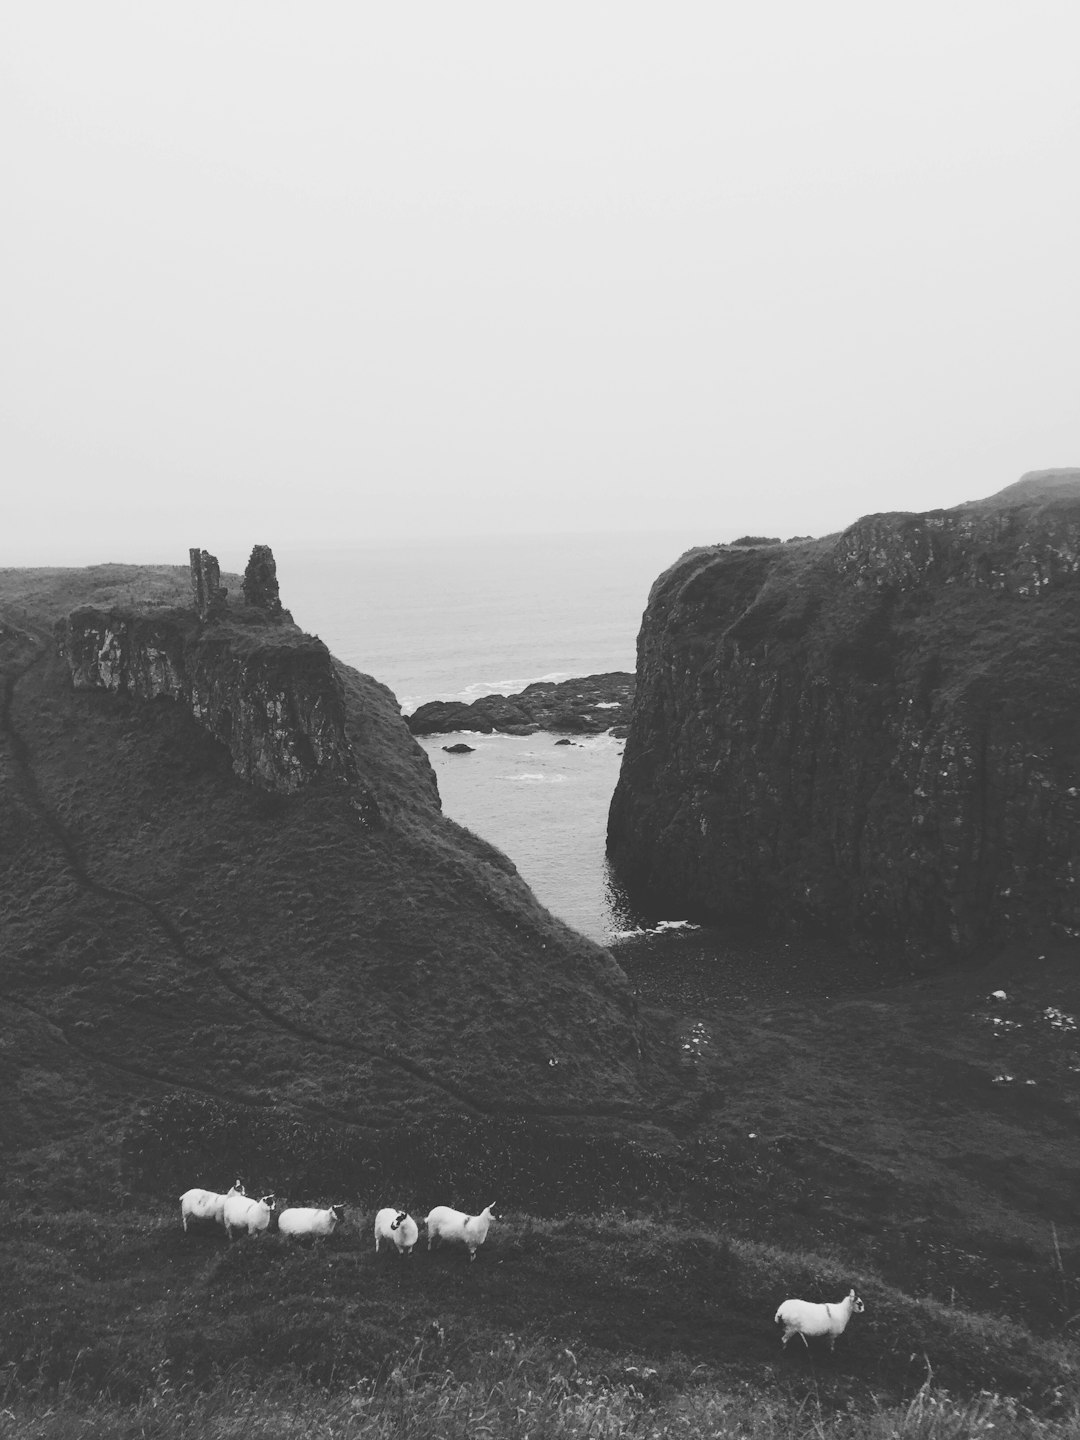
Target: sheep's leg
x=376 y=1244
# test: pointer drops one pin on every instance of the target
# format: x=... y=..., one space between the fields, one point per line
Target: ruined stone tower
x=210 y=595
x=260 y=583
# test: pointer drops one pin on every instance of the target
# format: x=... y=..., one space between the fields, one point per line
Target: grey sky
x=331 y=271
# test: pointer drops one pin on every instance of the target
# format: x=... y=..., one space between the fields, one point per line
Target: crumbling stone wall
x=260 y=583
x=210 y=595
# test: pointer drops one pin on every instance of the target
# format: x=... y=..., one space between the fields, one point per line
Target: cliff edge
x=874 y=733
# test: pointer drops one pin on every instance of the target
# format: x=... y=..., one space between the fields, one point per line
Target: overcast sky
x=302 y=272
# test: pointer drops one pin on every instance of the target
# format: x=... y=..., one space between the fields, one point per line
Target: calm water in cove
x=481 y=616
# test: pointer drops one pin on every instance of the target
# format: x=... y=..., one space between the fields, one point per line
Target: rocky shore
x=589 y=705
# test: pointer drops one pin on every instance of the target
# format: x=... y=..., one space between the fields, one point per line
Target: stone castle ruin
x=211 y=597
x=259 y=586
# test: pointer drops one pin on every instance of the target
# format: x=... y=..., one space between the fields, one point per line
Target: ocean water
x=479 y=616
x=487 y=615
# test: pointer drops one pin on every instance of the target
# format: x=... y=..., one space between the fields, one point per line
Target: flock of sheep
x=239 y=1213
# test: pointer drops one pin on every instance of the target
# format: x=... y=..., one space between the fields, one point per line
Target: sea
x=462 y=618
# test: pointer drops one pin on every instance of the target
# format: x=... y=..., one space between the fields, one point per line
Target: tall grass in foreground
x=508 y=1398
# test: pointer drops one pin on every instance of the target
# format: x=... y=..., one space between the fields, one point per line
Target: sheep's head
x=489 y=1211
x=398 y=1218
x=856 y=1304
x=338 y=1212
x=268 y=1200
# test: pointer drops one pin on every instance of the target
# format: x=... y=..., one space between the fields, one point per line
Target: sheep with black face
x=398 y=1227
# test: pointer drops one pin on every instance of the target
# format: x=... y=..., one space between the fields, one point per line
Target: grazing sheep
x=302 y=1221
x=446 y=1224
x=398 y=1227
x=240 y=1213
x=206 y=1204
x=801 y=1317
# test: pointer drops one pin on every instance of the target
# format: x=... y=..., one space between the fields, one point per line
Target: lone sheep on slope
x=446 y=1224
x=398 y=1227
x=802 y=1317
x=199 y=1204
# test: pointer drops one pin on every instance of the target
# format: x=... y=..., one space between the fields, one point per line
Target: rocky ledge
x=587 y=706
x=265 y=690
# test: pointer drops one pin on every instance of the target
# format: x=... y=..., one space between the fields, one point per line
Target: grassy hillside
x=201 y=980
x=169 y=927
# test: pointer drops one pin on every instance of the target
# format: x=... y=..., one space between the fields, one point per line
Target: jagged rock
x=589 y=705
x=209 y=594
x=873 y=732
x=278 y=707
x=440 y=717
x=260 y=583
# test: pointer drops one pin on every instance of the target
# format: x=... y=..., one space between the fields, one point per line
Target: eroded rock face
x=876 y=732
x=273 y=698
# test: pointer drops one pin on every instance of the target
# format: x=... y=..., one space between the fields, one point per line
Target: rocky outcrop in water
x=586 y=706
x=874 y=733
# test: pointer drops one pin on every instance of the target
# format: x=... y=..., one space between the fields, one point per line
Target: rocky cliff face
x=875 y=733
x=270 y=694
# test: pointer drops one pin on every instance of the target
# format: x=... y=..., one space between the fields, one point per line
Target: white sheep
x=446 y=1224
x=299 y=1220
x=205 y=1204
x=398 y=1227
x=240 y=1213
x=802 y=1317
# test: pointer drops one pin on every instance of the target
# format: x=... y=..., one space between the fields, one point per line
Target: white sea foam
x=534 y=778
x=658 y=929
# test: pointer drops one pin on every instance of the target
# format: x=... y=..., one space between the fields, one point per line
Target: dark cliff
x=876 y=733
